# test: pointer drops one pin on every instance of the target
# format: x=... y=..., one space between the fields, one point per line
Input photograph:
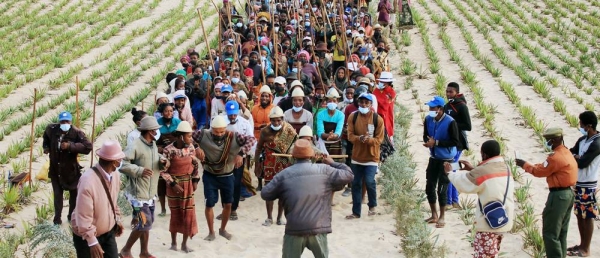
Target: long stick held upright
x=77 y=100
x=206 y=38
x=93 y=126
x=32 y=134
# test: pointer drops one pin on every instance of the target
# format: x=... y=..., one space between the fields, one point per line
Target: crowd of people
x=301 y=94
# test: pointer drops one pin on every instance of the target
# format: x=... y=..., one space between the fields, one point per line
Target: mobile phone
x=455 y=166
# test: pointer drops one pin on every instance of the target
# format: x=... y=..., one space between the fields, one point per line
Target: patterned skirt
x=183 y=210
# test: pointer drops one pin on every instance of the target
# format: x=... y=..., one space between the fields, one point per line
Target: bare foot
x=186 y=249
x=225 y=234
x=173 y=247
x=440 y=223
x=280 y=222
x=268 y=222
x=431 y=220
x=126 y=254
x=210 y=237
x=144 y=255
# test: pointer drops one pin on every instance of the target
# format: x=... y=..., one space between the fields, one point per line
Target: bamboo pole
x=32 y=134
x=344 y=38
x=220 y=32
x=208 y=85
x=290 y=155
x=206 y=39
x=77 y=100
x=93 y=126
x=258 y=44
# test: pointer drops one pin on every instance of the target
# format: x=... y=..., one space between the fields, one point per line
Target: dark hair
x=177 y=82
x=491 y=148
x=103 y=162
x=138 y=114
x=170 y=76
x=270 y=76
x=589 y=118
x=195 y=54
x=454 y=85
x=162 y=107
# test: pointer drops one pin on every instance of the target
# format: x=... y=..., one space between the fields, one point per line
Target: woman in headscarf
x=341 y=78
x=181 y=174
x=278 y=137
x=168 y=126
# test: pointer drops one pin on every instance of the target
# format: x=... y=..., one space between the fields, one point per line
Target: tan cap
x=305 y=131
x=218 y=122
x=298 y=93
x=332 y=93
x=553 y=132
x=265 y=89
x=184 y=127
x=296 y=83
x=276 y=112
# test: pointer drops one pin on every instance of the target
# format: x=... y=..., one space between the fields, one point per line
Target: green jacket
x=140 y=155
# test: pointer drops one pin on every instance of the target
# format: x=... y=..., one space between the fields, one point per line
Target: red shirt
x=385 y=107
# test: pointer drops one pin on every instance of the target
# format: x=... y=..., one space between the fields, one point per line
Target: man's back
x=305 y=190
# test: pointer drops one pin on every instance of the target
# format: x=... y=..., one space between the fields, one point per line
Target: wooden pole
x=344 y=39
x=32 y=134
x=206 y=39
x=93 y=126
x=77 y=100
x=208 y=85
x=220 y=32
x=290 y=155
x=258 y=44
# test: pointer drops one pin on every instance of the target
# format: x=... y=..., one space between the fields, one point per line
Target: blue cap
x=366 y=96
x=227 y=88
x=348 y=10
x=232 y=107
x=362 y=50
x=436 y=101
x=65 y=116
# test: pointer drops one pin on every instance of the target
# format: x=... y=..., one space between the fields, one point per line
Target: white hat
x=161 y=95
x=184 y=127
x=218 y=122
x=298 y=93
x=386 y=77
x=296 y=83
x=280 y=80
x=332 y=93
x=242 y=95
x=307 y=38
x=353 y=66
x=276 y=112
x=265 y=89
x=305 y=131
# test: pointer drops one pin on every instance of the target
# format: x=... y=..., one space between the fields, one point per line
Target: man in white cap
x=220 y=151
x=286 y=103
x=238 y=124
x=260 y=112
x=278 y=138
x=280 y=89
x=96 y=217
x=386 y=99
x=64 y=142
x=297 y=116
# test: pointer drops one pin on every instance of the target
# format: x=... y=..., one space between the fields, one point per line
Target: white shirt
x=242 y=126
x=133 y=135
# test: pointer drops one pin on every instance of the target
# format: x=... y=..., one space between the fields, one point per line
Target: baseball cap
x=367 y=96
x=65 y=116
x=232 y=107
x=436 y=101
x=227 y=88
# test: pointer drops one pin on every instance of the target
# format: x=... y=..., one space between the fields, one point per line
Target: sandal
x=218 y=217
x=123 y=256
x=440 y=224
x=431 y=221
x=573 y=248
x=162 y=214
x=233 y=216
x=280 y=222
x=352 y=216
x=575 y=253
x=268 y=222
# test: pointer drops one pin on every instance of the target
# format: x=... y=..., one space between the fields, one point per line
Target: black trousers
x=106 y=241
x=436 y=177
x=58 y=201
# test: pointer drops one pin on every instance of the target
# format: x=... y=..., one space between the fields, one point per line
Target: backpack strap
x=505 y=191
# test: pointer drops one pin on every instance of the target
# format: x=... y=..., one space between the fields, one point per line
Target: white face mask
x=289 y=32
x=433 y=114
x=276 y=29
x=369 y=46
x=548 y=144
x=331 y=106
x=363 y=110
x=380 y=85
x=276 y=128
x=65 y=127
x=362 y=35
x=307 y=24
x=582 y=131
x=297 y=109
x=239 y=24
x=120 y=165
x=295 y=70
x=157 y=135
x=235 y=80
x=314 y=9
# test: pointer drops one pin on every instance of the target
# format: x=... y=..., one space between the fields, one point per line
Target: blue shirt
x=164 y=129
x=323 y=116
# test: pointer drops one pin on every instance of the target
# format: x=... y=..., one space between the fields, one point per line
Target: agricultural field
x=523 y=66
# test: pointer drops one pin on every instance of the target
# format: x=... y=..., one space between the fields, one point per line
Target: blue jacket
x=445 y=134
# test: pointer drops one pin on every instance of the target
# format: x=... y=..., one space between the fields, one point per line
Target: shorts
x=213 y=184
x=487 y=244
x=142 y=218
x=585 y=203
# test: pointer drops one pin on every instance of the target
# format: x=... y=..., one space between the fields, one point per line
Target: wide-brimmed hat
x=148 y=123
x=322 y=46
x=184 y=127
x=111 y=150
x=303 y=149
x=386 y=77
x=276 y=112
x=332 y=94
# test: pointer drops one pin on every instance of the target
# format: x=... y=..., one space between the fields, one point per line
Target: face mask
x=120 y=165
x=582 y=131
x=376 y=33
x=363 y=57
x=260 y=38
x=157 y=135
x=307 y=24
x=276 y=128
x=252 y=62
x=221 y=97
x=362 y=35
x=297 y=109
x=193 y=62
x=289 y=32
x=328 y=5
x=276 y=29
x=348 y=32
x=294 y=70
x=380 y=86
x=314 y=9
x=239 y=24
x=369 y=46
x=217 y=138
x=331 y=106
x=433 y=114
x=293 y=22
x=549 y=144
x=363 y=110
x=235 y=80
x=379 y=49
x=65 y=127
x=319 y=96
x=279 y=88
x=197 y=77
x=352 y=82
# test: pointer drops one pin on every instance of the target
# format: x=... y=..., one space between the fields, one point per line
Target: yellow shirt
x=338 y=51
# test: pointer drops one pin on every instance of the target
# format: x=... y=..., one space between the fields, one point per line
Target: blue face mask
x=297 y=109
x=582 y=131
x=433 y=114
x=331 y=106
x=294 y=70
x=363 y=110
x=65 y=127
x=380 y=85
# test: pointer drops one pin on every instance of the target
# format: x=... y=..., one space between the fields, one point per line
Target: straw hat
x=297 y=93
x=305 y=131
x=386 y=77
x=276 y=112
x=184 y=127
x=332 y=94
x=265 y=89
x=111 y=150
x=303 y=149
x=218 y=122
x=148 y=123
